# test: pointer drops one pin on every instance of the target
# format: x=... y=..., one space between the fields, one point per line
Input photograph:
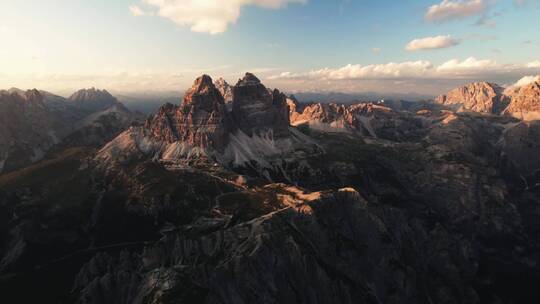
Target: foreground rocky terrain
x=240 y=194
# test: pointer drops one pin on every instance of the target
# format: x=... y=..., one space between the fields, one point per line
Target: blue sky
x=296 y=45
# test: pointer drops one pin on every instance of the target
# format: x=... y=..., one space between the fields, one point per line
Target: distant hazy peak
x=90 y=94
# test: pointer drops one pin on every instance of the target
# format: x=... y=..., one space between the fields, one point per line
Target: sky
x=383 y=46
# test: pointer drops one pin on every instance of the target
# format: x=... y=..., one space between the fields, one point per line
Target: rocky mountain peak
x=30 y=97
x=482 y=97
x=221 y=82
x=203 y=94
x=525 y=102
x=89 y=94
x=15 y=90
x=249 y=79
x=256 y=109
x=92 y=99
x=256 y=126
x=201 y=121
x=33 y=95
x=24 y=128
x=226 y=91
x=202 y=84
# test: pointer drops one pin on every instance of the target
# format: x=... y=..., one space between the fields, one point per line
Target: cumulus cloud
x=455 y=9
x=469 y=65
x=451 y=69
x=410 y=76
x=208 y=16
x=390 y=70
x=525 y=81
x=430 y=43
x=534 y=64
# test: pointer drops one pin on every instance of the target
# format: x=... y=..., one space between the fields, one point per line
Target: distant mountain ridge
x=489 y=98
x=33 y=122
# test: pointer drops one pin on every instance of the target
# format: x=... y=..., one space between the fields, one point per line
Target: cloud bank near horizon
x=469 y=68
x=420 y=77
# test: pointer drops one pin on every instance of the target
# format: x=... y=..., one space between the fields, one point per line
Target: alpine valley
x=242 y=194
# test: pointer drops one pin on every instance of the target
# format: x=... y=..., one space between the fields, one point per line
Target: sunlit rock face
x=482 y=97
x=363 y=119
x=525 y=102
x=226 y=91
x=200 y=121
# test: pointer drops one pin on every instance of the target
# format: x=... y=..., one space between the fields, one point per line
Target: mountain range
x=34 y=122
x=242 y=194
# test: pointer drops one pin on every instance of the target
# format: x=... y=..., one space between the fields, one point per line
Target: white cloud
x=136 y=11
x=209 y=16
x=376 y=50
x=392 y=70
x=455 y=9
x=430 y=43
x=534 y=64
x=469 y=65
x=451 y=69
x=525 y=81
x=405 y=77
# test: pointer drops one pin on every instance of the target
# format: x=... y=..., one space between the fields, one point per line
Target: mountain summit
x=483 y=97
x=92 y=99
x=525 y=102
x=202 y=127
x=200 y=122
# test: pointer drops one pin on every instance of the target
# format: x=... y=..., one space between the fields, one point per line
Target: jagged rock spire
x=202 y=120
x=249 y=79
x=203 y=94
x=256 y=109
